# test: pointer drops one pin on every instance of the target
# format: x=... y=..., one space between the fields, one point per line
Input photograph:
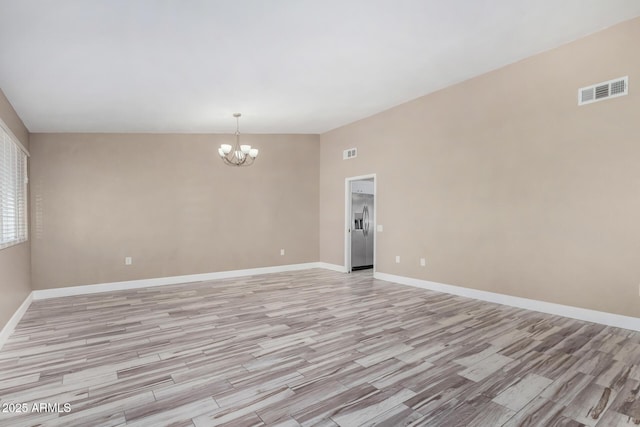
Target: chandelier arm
x=229 y=160
x=241 y=161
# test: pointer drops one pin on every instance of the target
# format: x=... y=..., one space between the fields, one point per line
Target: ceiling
x=290 y=66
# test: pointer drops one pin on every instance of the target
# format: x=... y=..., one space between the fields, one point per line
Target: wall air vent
x=349 y=154
x=605 y=90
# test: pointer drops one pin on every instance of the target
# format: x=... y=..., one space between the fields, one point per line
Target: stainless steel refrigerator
x=361 y=231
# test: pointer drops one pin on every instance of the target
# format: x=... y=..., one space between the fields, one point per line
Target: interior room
x=336 y=213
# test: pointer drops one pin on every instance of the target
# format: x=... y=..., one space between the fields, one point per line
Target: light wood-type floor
x=313 y=348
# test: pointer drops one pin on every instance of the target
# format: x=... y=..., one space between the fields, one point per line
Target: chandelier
x=238 y=155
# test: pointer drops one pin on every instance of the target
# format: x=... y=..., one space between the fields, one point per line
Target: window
x=13 y=191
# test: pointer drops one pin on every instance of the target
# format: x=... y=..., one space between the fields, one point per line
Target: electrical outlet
x=128 y=260
x=397 y=259
x=281 y=251
x=423 y=262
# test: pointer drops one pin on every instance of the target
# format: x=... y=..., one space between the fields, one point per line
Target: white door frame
x=347 y=218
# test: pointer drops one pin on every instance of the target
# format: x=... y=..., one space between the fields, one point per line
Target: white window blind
x=13 y=192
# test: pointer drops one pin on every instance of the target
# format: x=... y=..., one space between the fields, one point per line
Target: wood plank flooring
x=312 y=348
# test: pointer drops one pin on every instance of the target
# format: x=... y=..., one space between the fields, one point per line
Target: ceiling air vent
x=605 y=90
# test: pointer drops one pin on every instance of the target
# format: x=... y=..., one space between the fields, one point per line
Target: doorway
x=360 y=219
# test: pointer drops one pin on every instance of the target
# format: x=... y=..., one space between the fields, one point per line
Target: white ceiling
x=290 y=66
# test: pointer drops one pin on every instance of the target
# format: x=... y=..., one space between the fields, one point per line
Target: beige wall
x=15 y=278
x=170 y=203
x=503 y=183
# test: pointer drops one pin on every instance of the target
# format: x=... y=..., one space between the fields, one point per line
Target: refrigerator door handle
x=365 y=220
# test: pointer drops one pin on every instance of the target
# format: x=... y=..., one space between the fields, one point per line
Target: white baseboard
x=13 y=322
x=333 y=267
x=610 y=319
x=604 y=318
x=161 y=281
